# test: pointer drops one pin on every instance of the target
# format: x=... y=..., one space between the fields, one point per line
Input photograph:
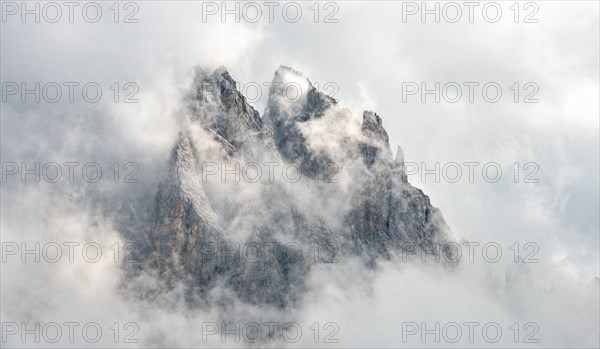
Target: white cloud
x=368 y=54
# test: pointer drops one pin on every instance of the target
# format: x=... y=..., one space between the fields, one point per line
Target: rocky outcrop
x=259 y=235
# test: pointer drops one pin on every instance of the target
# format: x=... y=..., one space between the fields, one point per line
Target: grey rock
x=208 y=234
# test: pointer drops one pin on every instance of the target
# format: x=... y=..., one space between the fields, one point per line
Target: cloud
x=368 y=54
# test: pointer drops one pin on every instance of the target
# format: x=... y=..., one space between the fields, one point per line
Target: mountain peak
x=220 y=107
x=220 y=69
x=381 y=215
x=372 y=117
x=399 y=155
x=284 y=70
x=372 y=126
x=217 y=79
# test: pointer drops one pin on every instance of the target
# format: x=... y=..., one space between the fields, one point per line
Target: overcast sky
x=366 y=56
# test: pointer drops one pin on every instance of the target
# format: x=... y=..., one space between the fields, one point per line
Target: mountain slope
x=251 y=203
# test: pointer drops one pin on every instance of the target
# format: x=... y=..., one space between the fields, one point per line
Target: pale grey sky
x=368 y=54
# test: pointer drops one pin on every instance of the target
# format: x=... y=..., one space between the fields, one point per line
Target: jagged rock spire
x=367 y=213
x=399 y=159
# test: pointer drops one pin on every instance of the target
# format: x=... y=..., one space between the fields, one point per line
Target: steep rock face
x=184 y=220
x=215 y=225
x=293 y=100
x=390 y=213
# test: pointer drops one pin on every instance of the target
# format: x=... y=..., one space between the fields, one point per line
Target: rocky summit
x=250 y=204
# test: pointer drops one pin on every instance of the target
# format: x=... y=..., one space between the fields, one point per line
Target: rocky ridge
x=216 y=225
